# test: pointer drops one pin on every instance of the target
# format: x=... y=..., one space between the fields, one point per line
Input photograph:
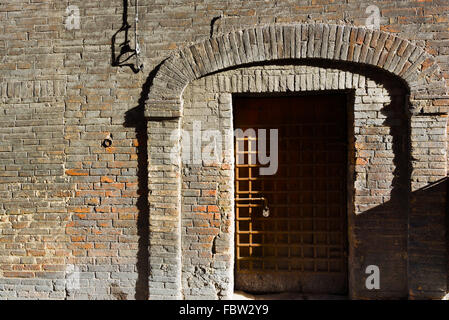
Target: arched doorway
x=166 y=111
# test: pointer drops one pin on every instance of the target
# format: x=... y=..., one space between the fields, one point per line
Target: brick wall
x=66 y=199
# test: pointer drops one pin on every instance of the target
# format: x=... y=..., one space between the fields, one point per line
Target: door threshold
x=240 y=295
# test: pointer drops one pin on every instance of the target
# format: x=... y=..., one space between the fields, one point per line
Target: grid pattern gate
x=305 y=231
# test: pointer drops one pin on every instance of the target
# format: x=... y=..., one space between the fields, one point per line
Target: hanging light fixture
x=136 y=40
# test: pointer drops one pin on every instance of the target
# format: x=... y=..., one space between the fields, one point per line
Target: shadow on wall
x=135 y=118
x=422 y=270
x=380 y=235
x=125 y=52
x=428 y=251
x=407 y=235
x=429 y=242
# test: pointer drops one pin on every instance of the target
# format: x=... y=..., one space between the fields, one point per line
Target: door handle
x=265 y=210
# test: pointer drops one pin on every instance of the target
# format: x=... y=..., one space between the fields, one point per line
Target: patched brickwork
x=134 y=224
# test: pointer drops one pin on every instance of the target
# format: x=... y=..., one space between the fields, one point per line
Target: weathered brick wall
x=67 y=200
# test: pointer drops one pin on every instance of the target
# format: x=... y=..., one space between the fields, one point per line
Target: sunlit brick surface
x=123 y=215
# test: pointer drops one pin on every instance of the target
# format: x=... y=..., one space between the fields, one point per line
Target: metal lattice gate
x=290 y=232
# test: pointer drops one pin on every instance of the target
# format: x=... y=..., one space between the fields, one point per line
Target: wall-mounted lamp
x=139 y=66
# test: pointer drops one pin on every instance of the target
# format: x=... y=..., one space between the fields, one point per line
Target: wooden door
x=302 y=244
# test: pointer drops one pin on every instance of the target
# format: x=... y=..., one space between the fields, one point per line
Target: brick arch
x=268 y=44
x=300 y=41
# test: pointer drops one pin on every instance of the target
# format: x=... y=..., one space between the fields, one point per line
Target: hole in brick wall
x=106 y=143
